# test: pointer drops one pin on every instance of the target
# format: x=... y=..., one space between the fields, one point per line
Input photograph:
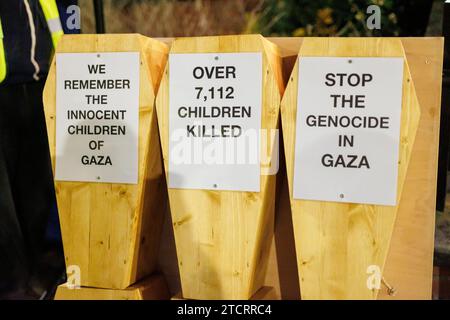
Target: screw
x=341 y=196
x=391 y=291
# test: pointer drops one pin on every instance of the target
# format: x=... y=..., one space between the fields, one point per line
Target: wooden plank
x=111 y=231
x=337 y=242
x=151 y=288
x=222 y=237
x=409 y=265
x=265 y=293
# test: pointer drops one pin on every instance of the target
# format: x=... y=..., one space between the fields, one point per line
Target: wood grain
x=151 y=288
x=223 y=237
x=408 y=265
x=409 y=262
x=337 y=242
x=111 y=231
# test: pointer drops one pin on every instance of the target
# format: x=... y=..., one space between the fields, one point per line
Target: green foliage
x=325 y=18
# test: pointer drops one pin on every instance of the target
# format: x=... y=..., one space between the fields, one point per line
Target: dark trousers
x=26 y=183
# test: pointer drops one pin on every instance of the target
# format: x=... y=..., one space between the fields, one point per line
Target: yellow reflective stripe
x=56 y=36
x=2 y=56
x=52 y=15
x=50 y=9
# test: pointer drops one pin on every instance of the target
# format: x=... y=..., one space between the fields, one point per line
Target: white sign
x=97 y=117
x=214 y=121
x=348 y=128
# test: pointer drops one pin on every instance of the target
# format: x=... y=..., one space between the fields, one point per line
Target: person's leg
x=34 y=190
x=14 y=269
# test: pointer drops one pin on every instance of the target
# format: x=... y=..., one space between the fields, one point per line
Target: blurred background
x=268 y=17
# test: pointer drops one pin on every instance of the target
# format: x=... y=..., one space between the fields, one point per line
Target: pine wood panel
x=408 y=267
x=409 y=264
x=223 y=237
x=151 y=288
x=111 y=231
x=336 y=242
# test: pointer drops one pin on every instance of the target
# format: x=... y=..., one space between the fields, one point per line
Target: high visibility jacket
x=50 y=10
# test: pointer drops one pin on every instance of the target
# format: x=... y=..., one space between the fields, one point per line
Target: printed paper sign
x=348 y=128
x=214 y=121
x=97 y=117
